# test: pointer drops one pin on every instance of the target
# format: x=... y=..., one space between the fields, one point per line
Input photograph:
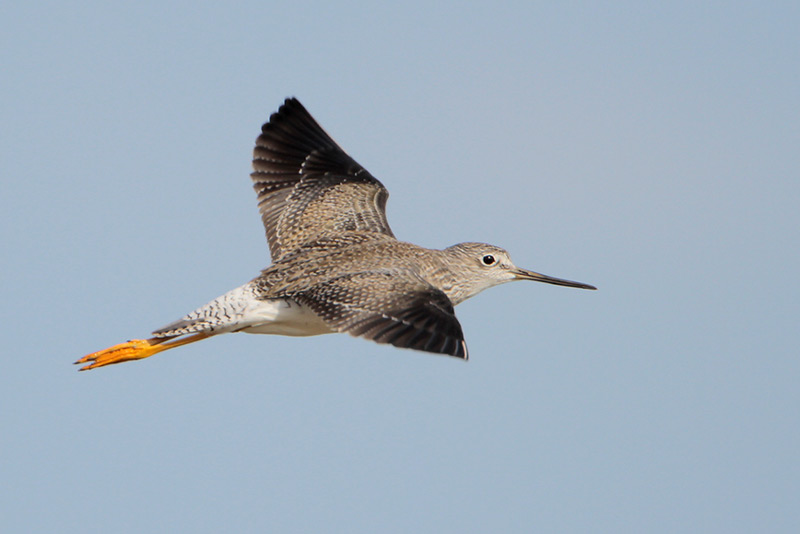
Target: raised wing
x=308 y=187
x=395 y=307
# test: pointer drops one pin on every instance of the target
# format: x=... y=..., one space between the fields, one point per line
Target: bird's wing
x=308 y=187
x=389 y=306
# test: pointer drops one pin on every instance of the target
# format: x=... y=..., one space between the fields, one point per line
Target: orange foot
x=135 y=349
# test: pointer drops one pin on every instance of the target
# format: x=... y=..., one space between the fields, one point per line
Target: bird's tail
x=227 y=313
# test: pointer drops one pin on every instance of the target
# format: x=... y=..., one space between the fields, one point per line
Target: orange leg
x=135 y=349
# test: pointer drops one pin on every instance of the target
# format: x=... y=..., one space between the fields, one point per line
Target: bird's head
x=479 y=266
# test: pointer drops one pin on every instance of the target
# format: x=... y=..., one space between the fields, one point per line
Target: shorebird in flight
x=336 y=265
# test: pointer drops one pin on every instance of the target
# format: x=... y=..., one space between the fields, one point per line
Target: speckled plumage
x=308 y=188
x=337 y=266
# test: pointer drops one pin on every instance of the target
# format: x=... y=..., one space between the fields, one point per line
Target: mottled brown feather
x=389 y=306
x=308 y=187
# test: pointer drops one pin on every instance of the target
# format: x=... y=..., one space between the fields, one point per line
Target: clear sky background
x=652 y=151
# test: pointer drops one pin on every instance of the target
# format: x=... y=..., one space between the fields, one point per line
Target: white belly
x=283 y=317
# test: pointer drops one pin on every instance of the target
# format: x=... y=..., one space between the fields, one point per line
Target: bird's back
x=346 y=255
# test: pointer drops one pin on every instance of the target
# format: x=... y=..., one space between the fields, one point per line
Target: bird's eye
x=488 y=260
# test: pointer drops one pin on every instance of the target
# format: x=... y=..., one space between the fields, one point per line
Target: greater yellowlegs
x=337 y=266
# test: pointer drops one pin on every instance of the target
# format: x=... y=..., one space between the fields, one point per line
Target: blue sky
x=651 y=151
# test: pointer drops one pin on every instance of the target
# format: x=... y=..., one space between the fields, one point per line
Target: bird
x=336 y=264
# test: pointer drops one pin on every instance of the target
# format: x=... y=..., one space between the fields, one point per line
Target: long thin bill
x=524 y=274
